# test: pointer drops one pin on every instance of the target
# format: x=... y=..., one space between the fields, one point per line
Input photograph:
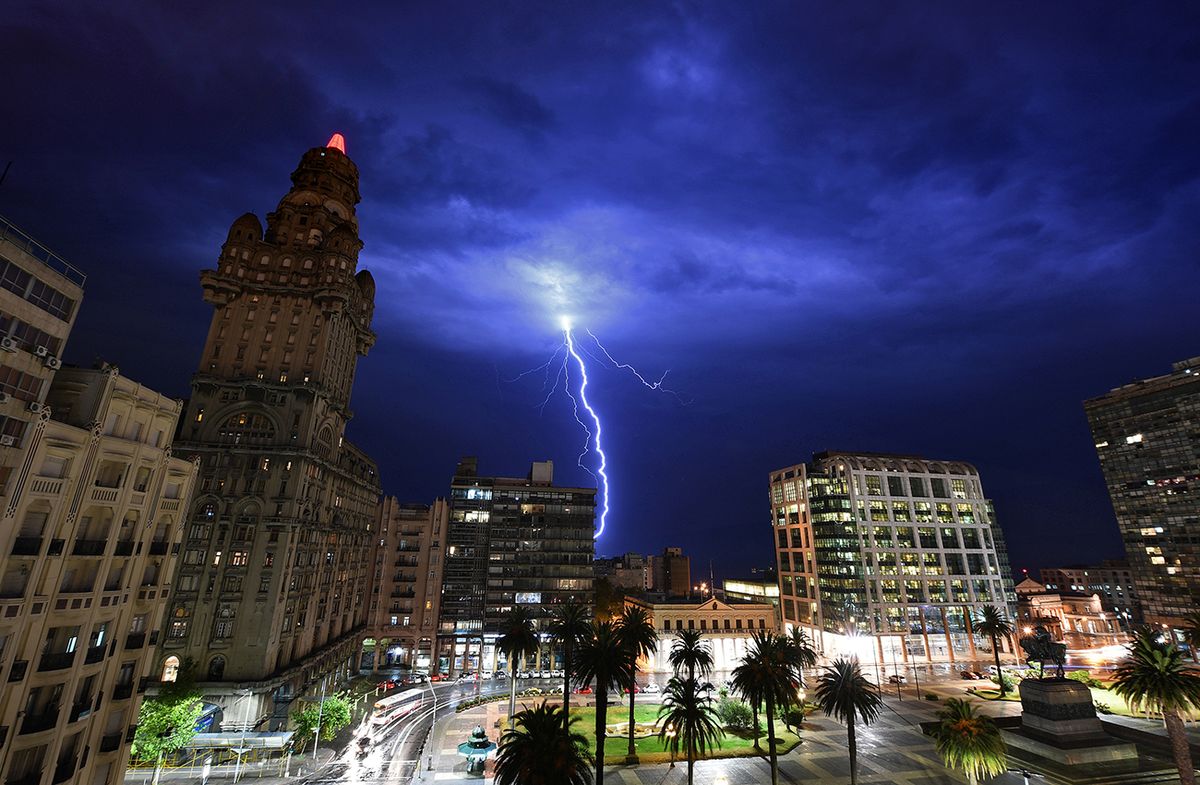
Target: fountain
x=476 y=749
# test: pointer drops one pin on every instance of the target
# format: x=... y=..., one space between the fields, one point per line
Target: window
x=874 y=485
x=19 y=385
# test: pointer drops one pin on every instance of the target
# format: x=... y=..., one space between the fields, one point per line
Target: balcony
x=27 y=546
x=89 y=547
x=45 y=486
x=57 y=661
x=79 y=711
x=94 y=654
x=111 y=742
x=105 y=495
x=19 y=669
x=135 y=640
x=56 y=547
x=404 y=594
x=122 y=692
x=124 y=548
x=159 y=548
x=169 y=505
x=35 y=723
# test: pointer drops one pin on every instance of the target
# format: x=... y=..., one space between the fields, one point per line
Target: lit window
x=1135 y=439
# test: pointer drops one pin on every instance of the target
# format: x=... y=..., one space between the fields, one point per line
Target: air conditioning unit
x=8 y=441
x=35 y=407
x=53 y=363
x=41 y=351
x=8 y=344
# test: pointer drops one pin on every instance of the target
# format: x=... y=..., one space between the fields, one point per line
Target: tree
x=690 y=654
x=767 y=674
x=968 y=741
x=609 y=599
x=688 y=720
x=568 y=626
x=639 y=638
x=517 y=639
x=992 y=623
x=802 y=652
x=1154 y=678
x=331 y=714
x=541 y=749
x=167 y=721
x=1191 y=634
x=843 y=692
x=602 y=658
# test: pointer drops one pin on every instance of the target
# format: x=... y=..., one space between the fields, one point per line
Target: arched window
x=170 y=671
x=208 y=512
x=324 y=441
x=216 y=668
x=247 y=428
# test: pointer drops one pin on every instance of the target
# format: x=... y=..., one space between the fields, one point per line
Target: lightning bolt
x=627 y=367
x=593 y=437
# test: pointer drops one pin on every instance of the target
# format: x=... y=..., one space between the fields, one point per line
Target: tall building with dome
x=269 y=597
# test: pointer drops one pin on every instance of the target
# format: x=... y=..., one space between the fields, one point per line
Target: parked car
x=636 y=689
x=468 y=676
x=439 y=677
x=651 y=689
x=387 y=684
x=500 y=675
x=897 y=678
x=544 y=674
x=967 y=675
x=485 y=674
x=556 y=673
x=586 y=690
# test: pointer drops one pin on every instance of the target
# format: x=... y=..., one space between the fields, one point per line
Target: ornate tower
x=270 y=590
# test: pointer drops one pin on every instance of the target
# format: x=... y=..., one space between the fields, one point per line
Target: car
x=544 y=674
x=897 y=678
x=556 y=673
x=652 y=689
x=979 y=675
x=500 y=675
x=586 y=690
x=485 y=674
x=468 y=676
x=438 y=677
x=968 y=675
x=636 y=689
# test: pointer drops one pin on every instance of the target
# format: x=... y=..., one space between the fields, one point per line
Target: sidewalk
x=263 y=773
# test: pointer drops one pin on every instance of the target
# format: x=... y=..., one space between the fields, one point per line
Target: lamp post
x=320 y=711
x=241 y=750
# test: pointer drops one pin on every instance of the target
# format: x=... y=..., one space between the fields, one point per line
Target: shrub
x=1008 y=682
x=1103 y=708
x=794 y=717
x=929 y=696
x=734 y=714
x=1083 y=677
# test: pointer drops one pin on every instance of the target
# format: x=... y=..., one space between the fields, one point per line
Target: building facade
x=1145 y=435
x=671 y=573
x=727 y=628
x=1111 y=581
x=511 y=541
x=406 y=583
x=888 y=556
x=1075 y=618
x=739 y=590
x=631 y=571
x=89 y=540
x=271 y=595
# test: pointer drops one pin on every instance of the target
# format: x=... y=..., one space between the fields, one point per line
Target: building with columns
x=727 y=628
x=889 y=557
x=406 y=583
x=1075 y=618
x=271 y=596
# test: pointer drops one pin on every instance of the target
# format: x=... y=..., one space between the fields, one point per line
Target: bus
x=388 y=710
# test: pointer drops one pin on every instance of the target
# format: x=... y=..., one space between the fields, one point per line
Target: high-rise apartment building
x=1146 y=434
x=406 y=582
x=272 y=588
x=888 y=556
x=512 y=541
x=92 y=502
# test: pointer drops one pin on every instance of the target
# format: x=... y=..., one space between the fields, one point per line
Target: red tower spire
x=337 y=142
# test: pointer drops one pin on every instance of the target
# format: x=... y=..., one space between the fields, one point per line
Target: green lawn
x=651 y=750
x=1115 y=703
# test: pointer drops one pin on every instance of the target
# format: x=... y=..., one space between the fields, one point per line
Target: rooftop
x=13 y=234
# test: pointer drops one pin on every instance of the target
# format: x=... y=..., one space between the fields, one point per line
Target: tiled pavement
x=890 y=751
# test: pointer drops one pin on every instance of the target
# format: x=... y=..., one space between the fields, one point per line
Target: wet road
x=392 y=754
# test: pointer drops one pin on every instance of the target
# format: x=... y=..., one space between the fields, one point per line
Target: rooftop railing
x=19 y=238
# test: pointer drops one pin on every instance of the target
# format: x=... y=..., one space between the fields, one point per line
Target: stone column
x=949 y=639
x=375 y=657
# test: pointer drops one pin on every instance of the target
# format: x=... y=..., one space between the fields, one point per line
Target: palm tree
x=767 y=674
x=691 y=654
x=517 y=639
x=541 y=749
x=602 y=658
x=688 y=720
x=843 y=692
x=1154 y=678
x=969 y=741
x=1191 y=633
x=568 y=625
x=640 y=639
x=995 y=625
x=802 y=651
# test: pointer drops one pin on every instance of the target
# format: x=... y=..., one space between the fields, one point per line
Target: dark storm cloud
x=932 y=228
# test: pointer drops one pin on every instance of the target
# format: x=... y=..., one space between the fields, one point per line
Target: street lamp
x=242 y=749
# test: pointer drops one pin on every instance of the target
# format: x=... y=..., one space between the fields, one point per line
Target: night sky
x=917 y=228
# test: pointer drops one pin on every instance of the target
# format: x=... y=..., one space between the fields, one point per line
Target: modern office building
x=743 y=590
x=1111 y=580
x=406 y=583
x=671 y=573
x=727 y=627
x=888 y=556
x=511 y=541
x=1145 y=434
x=271 y=596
